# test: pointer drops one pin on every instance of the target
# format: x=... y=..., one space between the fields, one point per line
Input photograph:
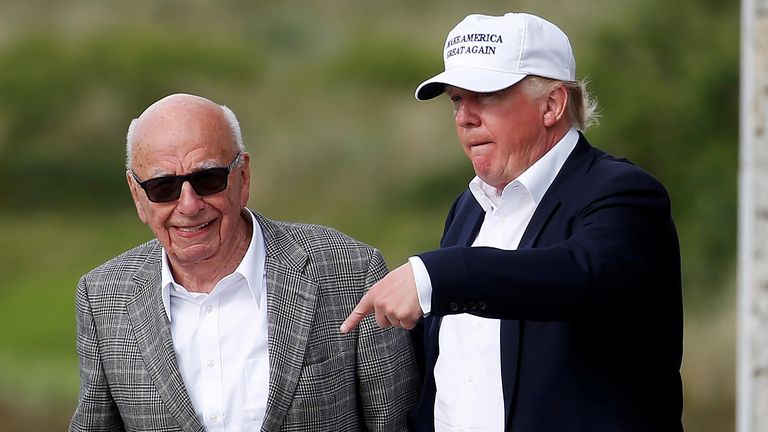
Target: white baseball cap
x=489 y=53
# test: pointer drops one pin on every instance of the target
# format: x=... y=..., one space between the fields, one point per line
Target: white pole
x=752 y=356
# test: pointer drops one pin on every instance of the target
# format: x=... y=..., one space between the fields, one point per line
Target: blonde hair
x=581 y=111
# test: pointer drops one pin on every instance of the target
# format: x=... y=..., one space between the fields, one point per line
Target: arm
x=609 y=247
x=96 y=410
x=613 y=246
x=617 y=246
x=386 y=368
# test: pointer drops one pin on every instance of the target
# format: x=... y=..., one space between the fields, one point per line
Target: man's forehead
x=181 y=133
x=180 y=151
x=180 y=130
x=154 y=167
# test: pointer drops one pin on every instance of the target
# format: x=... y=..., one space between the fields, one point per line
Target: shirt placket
x=210 y=358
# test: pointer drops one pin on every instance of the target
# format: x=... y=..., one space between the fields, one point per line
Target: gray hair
x=229 y=116
x=582 y=110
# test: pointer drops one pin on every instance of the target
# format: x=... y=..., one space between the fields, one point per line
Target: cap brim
x=467 y=78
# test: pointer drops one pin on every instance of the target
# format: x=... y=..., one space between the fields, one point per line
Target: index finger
x=365 y=307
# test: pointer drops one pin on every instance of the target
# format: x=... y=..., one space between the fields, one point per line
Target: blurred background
x=324 y=92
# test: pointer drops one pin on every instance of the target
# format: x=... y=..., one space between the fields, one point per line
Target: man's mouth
x=193 y=228
x=479 y=145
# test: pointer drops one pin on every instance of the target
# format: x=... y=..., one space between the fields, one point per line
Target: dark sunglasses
x=206 y=182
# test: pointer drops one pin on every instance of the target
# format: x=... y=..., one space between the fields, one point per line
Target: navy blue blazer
x=590 y=303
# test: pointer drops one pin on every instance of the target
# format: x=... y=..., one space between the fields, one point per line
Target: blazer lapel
x=465 y=223
x=153 y=335
x=291 y=299
x=540 y=217
x=473 y=223
x=565 y=184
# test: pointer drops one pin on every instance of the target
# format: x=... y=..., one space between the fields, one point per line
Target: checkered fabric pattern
x=320 y=379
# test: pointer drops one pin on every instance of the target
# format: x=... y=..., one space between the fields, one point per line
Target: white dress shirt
x=220 y=340
x=468 y=369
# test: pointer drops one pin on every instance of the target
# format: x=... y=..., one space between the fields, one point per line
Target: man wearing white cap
x=555 y=300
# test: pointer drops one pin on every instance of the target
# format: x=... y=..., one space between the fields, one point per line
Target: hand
x=393 y=299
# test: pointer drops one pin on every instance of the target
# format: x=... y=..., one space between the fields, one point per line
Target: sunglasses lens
x=210 y=181
x=163 y=189
x=206 y=182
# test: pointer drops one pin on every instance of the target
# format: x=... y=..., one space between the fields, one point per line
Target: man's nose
x=466 y=114
x=189 y=201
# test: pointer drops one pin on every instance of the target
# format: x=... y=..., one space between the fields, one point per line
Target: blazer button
x=472 y=306
x=481 y=305
x=454 y=307
x=463 y=307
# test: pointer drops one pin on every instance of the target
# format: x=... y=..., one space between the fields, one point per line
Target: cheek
x=156 y=219
x=515 y=134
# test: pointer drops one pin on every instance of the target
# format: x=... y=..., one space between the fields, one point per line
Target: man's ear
x=554 y=109
x=245 y=178
x=136 y=193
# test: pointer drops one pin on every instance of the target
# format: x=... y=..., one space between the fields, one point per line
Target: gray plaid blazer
x=319 y=379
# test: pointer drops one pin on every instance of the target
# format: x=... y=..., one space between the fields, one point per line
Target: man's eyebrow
x=199 y=166
x=207 y=164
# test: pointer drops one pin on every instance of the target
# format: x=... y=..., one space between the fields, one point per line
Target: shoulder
x=318 y=237
x=320 y=243
x=620 y=173
x=128 y=262
x=597 y=180
x=114 y=282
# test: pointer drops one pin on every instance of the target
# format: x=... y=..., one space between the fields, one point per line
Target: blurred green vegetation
x=324 y=92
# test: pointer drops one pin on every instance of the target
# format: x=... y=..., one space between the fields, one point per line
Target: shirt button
x=478 y=325
x=211 y=363
x=209 y=308
x=213 y=418
x=470 y=378
x=502 y=221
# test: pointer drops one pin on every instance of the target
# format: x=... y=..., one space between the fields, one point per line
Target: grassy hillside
x=324 y=92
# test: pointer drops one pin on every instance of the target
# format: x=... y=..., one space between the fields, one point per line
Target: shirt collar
x=251 y=268
x=536 y=179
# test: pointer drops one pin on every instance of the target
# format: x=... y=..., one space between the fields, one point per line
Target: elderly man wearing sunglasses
x=228 y=320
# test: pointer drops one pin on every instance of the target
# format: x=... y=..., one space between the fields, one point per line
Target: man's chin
x=193 y=254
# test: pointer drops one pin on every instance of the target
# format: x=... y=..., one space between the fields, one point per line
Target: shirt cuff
x=423 y=284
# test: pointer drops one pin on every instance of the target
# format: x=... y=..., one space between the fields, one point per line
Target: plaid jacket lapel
x=291 y=299
x=153 y=336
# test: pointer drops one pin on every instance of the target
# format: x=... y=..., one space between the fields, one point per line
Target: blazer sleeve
x=386 y=367
x=96 y=410
x=604 y=249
